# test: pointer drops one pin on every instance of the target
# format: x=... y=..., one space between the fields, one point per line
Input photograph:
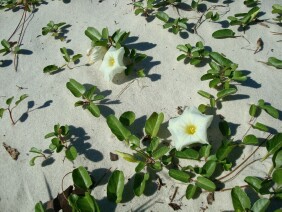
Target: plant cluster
x=54 y=29
x=189 y=144
x=10 y=109
x=115 y=55
x=54 y=68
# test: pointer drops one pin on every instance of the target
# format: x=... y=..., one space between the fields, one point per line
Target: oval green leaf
x=117 y=128
x=115 y=186
x=127 y=118
x=179 y=175
x=205 y=184
x=153 y=124
x=223 y=33
x=75 y=88
x=240 y=199
x=81 y=178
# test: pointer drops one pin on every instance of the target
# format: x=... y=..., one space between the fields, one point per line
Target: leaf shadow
x=106 y=205
x=78 y=140
x=30 y=105
x=128 y=193
x=249 y=82
x=141 y=46
x=5 y=63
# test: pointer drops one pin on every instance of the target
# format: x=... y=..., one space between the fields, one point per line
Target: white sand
x=169 y=84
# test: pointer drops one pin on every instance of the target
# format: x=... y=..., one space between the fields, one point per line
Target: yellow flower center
x=111 y=61
x=190 y=129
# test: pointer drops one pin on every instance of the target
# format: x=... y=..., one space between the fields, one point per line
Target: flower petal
x=190 y=118
x=113 y=63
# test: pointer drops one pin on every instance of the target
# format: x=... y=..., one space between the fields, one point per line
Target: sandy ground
x=169 y=84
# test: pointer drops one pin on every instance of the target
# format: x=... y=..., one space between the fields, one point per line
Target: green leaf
x=254 y=182
x=191 y=191
x=49 y=135
x=76 y=57
x=81 y=178
x=261 y=205
x=138 y=11
x=214 y=83
x=209 y=168
x=205 y=184
x=179 y=175
x=223 y=151
x=133 y=141
x=93 y=109
x=260 y=126
x=6 y=44
x=105 y=33
x=157 y=166
x=35 y=150
x=2 y=110
x=75 y=88
x=272 y=61
x=205 y=151
x=141 y=165
x=127 y=118
x=93 y=33
x=127 y=157
x=32 y=161
x=205 y=94
x=153 y=144
x=221 y=60
x=271 y=111
x=274 y=144
x=250 y=140
x=140 y=183
x=182 y=48
x=87 y=203
x=162 y=16
x=224 y=128
x=153 y=124
x=277 y=159
x=117 y=128
x=160 y=152
x=240 y=199
x=9 y=101
x=254 y=110
x=90 y=92
x=223 y=33
x=64 y=51
x=71 y=153
x=39 y=207
x=277 y=176
x=226 y=92
x=50 y=69
x=98 y=97
x=181 y=57
x=22 y=97
x=187 y=153
x=115 y=186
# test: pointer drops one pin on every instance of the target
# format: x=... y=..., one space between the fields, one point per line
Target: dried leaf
x=113 y=157
x=14 y=153
x=210 y=198
x=175 y=206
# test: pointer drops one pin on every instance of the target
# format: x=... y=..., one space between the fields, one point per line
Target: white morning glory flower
x=113 y=63
x=189 y=128
x=96 y=53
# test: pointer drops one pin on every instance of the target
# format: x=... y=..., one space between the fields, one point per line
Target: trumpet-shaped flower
x=96 y=53
x=113 y=63
x=189 y=128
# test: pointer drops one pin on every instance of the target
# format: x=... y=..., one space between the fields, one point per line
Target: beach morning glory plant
x=189 y=128
x=113 y=63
